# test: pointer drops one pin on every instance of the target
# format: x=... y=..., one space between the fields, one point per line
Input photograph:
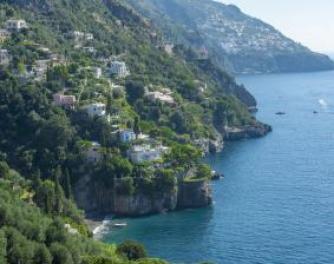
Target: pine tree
x=109 y=109
x=67 y=186
x=136 y=127
x=36 y=179
x=58 y=190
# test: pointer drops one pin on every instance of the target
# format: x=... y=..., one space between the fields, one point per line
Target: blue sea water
x=276 y=203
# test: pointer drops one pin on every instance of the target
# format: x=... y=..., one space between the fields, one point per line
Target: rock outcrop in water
x=255 y=131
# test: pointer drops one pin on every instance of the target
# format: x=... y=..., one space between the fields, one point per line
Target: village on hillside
x=91 y=95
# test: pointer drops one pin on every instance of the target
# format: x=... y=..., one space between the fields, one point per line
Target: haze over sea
x=276 y=203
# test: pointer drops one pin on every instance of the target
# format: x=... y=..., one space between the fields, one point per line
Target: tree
x=56 y=132
x=109 y=107
x=179 y=122
x=184 y=155
x=221 y=113
x=58 y=73
x=4 y=169
x=113 y=167
x=42 y=255
x=60 y=254
x=165 y=180
x=56 y=232
x=134 y=90
x=36 y=179
x=19 y=249
x=203 y=171
x=58 y=190
x=45 y=196
x=131 y=250
x=3 y=247
x=136 y=127
x=21 y=67
x=67 y=186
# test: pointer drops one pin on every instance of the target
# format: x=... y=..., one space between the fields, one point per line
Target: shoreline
x=99 y=223
x=96 y=222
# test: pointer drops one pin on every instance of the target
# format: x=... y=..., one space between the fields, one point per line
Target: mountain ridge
x=236 y=41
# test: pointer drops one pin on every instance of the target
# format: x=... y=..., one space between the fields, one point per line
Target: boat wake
x=323 y=103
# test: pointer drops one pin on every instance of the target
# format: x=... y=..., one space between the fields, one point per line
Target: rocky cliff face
x=194 y=194
x=97 y=198
x=237 y=133
x=234 y=40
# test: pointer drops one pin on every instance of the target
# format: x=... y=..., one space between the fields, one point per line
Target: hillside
x=29 y=233
x=96 y=113
x=236 y=41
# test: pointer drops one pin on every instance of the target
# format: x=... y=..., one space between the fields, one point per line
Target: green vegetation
x=40 y=138
x=30 y=234
x=50 y=145
x=131 y=250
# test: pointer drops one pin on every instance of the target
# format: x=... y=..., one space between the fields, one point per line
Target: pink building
x=66 y=101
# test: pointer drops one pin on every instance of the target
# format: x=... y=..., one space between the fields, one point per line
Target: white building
x=96 y=110
x=89 y=49
x=78 y=35
x=66 y=101
x=119 y=69
x=94 y=152
x=146 y=153
x=40 y=68
x=164 y=96
x=4 y=34
x=4 y=57
x=97 y=71
x=89 y=36
x=16 y=24
x=127 y=136
x=168 y=48
x=143 y=137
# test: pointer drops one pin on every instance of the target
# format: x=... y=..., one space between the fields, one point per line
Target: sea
x=276 y=202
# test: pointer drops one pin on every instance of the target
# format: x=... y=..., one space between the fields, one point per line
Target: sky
x=310 y=22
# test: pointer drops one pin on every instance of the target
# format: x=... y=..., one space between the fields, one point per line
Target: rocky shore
x=93 y=197
x=244 y=132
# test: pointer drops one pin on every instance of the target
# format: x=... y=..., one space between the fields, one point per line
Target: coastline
x=97 y=223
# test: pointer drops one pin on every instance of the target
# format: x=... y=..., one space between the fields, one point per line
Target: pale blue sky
x=310 y=22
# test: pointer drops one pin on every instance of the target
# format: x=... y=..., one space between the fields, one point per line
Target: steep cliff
x=94 y=197
x=194 y=194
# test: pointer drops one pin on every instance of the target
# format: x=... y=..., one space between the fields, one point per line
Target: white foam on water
x=103 y=228
x=323 y=103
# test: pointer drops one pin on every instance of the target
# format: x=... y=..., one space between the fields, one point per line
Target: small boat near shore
x=119 y=225
x=216 y=176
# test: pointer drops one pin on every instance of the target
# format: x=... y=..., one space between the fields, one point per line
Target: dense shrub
x=131 y=250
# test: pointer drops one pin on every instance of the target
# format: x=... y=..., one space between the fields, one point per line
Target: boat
x=280 y=113
x=216 y=176
x=120 y=225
